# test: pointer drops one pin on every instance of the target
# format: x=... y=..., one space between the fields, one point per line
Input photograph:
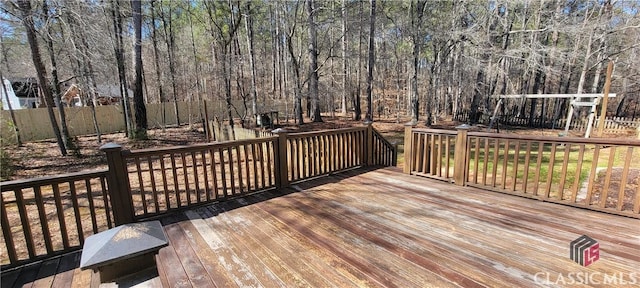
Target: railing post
x=460 y=155
x=118 y=181
x=368 y=158
x=282 y=172
x=407 y=146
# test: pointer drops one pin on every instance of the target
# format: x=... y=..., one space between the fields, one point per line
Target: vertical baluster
x=105 y=200
x=214 y=173
x=496 y=152
x=536 y=179
x=60 y=213
x=607 y=177
x=439 y=157
x=255 y=166
x=563 y=173
x=176 y=186
x=239 y=165
x=185 y=177
x=505 y=162
x=154 y=190
x=76 y=211
x=196 y=176
x=424 y=157
x=262 y=165
x=92 y=208
x=44 y=222
x=593 y=174
x=485 y=164
x=476 y=158
x=205 y=174
x=269 y=148
x=24 y=219
x=527 y=160
x=516 y=156
x=552 y=159
x=231 y=172
x=448 y=155
x=247 y=173
x=623 y=181
x=292 y=160
x=576 y=180
x=6 y=232
x=312 y=155
x=141 y=185
x=165 y=185
x=223 y=173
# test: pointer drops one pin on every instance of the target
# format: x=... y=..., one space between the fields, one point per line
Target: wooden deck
x=374 y=228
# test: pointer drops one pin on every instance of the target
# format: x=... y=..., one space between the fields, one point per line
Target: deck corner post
x=368 y=159
x=282 y=172
x=407 y=146
x=118 y=183
x=460 y=155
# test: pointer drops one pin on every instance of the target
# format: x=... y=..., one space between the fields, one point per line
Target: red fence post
x=118 y=181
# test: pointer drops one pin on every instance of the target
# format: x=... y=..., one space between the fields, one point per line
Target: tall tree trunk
x=27 y=21
x=372 y=30
x=313 y=62
x=345 y=61
x=357 y=109
x=417 y=12
x=138 y=97
x=66 y=138
x=170 y=40
x=196 y=65
x=156 y=52
x=119 y=55
x=254 y=93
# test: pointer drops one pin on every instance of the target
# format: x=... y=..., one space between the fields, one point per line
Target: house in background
x=23 y=93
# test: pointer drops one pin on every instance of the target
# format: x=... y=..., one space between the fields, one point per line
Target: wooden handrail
x=325 y=132
x=195 y=147
x=549 y=139
x=48 y=180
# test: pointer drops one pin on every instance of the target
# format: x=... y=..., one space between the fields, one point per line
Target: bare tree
x=313 y=62
x=27 y=21
x=371 y=62
x=138 y=97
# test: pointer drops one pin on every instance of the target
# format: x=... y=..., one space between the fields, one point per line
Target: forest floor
x=42 y=158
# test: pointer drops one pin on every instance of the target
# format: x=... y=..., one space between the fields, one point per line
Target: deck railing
x=170 y=178
x=597 y=174
x=46 y=216
x=53 y=215
x=312 y=154
x=433 y=153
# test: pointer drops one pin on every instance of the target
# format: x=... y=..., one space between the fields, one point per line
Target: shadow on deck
x=374 y=228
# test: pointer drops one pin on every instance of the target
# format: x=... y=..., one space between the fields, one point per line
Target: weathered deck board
x=371 y=228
